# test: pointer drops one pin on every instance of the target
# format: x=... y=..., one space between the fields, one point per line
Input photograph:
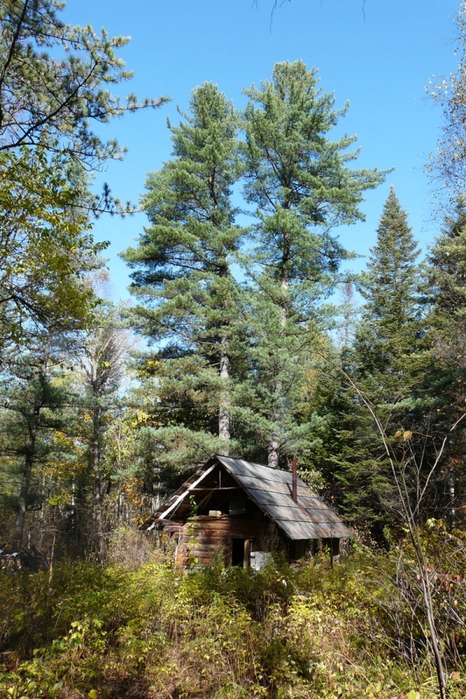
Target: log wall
x=202 y=537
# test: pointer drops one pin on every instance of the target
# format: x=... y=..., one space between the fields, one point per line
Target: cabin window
x=237 y=506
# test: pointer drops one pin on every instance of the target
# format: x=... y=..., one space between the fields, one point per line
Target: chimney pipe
x=294 y=480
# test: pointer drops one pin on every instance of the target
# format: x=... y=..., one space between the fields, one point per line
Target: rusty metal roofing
x=270 y=489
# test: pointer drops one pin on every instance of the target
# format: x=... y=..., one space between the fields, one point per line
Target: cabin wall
x=202 y=537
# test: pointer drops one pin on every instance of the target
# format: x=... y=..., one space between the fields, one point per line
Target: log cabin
x=246 y=511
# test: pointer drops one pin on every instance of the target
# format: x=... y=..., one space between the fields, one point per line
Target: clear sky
x=377 y=54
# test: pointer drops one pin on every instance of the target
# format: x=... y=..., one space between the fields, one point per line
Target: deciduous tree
x=448 y=165
x=56 y=84
x=101 y=359
x=46 y=247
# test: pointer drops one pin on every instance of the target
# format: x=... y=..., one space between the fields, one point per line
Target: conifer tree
x=388 y=365
x=183 y=273
x=54 y=83
x=446 y=275
x=303 y=186
x=391 y=325
x=31 y=402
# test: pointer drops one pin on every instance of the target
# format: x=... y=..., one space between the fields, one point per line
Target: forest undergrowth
x=356 y=629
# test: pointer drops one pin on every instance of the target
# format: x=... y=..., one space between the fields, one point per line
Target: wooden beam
x=189 y=489
x=214 y=489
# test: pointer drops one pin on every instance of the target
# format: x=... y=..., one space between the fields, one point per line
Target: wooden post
x=294 y=480
x=247 y=548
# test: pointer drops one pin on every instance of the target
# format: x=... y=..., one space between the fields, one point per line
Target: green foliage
x=385 y=368
x=303 y=187
x=389 y=339
x=55 y=80
x=445 y=381
x=183 y=273
x=232 y=358
x=32 y=400
x=299 y=179
x=312 y=632
x=46 y=249
x=54 y=85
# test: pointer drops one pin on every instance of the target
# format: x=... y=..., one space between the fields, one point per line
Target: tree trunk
x=24 y=490
x=224 y=409
x=97 y=484
x=274 y=444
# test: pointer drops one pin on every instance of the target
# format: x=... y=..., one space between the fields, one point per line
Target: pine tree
x=54 y=83
x=183 y=273
x=31 y=403
x=302 y=186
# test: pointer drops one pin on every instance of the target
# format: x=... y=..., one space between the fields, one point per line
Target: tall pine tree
x=183 y=274
x=302 y=186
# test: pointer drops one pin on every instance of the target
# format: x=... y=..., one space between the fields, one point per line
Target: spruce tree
x=446 y=276
x=302 y=186
x=183 y=274
x=387 y=364
x=391 y=325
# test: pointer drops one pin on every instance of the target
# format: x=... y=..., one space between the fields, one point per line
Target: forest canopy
x=249 y=336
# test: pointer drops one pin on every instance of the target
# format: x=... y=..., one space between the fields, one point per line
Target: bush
x=153 y=633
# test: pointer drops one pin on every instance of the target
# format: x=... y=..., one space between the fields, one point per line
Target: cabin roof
x=271 y=490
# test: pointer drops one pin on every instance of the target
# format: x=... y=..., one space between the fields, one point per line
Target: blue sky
x=378 y=54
